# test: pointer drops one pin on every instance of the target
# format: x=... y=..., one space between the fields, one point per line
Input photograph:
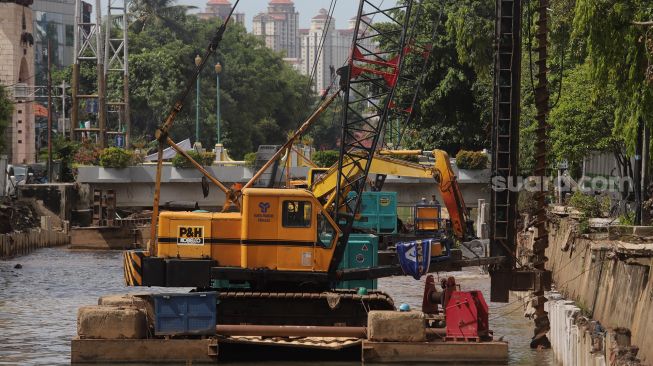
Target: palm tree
x=147 y=12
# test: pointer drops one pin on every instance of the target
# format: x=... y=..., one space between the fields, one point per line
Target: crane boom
x=369 y=81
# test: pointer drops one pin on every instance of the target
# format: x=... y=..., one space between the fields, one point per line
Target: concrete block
x=110 y=322
x=142 y=302
x=143 y=351
x=395 y=326
x=437 y=352
x=124 y=300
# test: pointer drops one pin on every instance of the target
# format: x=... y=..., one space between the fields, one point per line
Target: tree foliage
x=618 y=57
x=326 y=158
x=115 y=157
x=261 y=97
x=583 y=120
x=6 y=111
x=455 y=106
x=471 y=160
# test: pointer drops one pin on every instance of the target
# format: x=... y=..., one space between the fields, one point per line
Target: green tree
x=158 y=12
x=618 y=57
x=6 y=111
x=583 y=120
x=455 y=106
x=326 y=158
x=260 y=95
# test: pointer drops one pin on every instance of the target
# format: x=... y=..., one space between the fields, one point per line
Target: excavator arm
x=324 y=187
x=451 y=194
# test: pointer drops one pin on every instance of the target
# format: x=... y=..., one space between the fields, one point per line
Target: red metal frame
x=466 y=315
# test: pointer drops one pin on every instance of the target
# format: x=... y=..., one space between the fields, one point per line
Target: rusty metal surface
x=330 y=343
x=290 y=331
x=542 y=236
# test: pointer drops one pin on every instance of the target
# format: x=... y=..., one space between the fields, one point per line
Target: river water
x=38 y=304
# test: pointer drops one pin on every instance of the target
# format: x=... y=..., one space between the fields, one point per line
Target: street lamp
x=218 y=70
x=198 y=62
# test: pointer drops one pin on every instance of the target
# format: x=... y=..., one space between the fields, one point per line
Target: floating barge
x=212 y=350
x=173 y=328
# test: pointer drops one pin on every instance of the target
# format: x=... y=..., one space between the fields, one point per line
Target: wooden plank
x=436 y=352
x=189 y=351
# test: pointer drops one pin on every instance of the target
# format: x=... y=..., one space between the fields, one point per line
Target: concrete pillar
x=480 y=220
x=219 y=150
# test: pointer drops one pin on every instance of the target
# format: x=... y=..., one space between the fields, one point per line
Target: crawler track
x=340 y=307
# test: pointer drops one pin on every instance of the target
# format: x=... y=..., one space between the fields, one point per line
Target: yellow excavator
x=322 y=182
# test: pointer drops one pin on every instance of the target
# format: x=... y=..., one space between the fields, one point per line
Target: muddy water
x=38 y=304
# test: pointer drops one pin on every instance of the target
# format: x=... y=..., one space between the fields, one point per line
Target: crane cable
x=320 y=48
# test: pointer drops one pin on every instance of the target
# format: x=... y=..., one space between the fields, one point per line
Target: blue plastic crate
x=185 y=313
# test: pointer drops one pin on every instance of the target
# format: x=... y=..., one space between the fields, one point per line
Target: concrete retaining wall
x=572 y=339
x=15 y=244
x=608 y=279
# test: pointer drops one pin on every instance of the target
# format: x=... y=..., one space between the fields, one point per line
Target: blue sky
x=307 y=9
x=345 y=9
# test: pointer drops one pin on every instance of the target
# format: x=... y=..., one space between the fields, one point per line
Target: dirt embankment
x=17 y=216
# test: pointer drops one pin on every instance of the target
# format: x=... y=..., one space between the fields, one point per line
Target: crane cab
x=277 y=229
x=285 y=229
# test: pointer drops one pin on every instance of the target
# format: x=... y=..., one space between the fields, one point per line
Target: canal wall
x=22 y=243
x=604 y=304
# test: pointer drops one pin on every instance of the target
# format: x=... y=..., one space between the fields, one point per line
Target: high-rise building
x=322 y=54
x=318 y=53
x=278 y=27
x=221 y=9
x=17 y=76
x=54 y=20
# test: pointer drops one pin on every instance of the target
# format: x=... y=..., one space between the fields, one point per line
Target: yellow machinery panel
x=277 y=229
x=225 y=247
x=426 y=218
x=259 y=230
x=280 y=231
x=184 y=235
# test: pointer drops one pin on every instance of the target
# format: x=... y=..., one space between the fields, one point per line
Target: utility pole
x=218 y=69
x=198 y=62
x=646 y=173
x=49 y=111
x=63 y=109
x=102 y=89
x=75 y=79
x=637 y=171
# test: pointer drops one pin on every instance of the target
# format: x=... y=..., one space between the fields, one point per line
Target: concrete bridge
x=134 y=186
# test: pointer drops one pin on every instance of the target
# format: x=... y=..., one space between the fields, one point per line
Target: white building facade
x=278 y=27
x=335 y=49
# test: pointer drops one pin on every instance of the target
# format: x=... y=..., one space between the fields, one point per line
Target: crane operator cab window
x=296 y=214
x=326 y=233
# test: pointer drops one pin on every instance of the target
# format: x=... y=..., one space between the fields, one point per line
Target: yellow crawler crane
x=285 y=245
